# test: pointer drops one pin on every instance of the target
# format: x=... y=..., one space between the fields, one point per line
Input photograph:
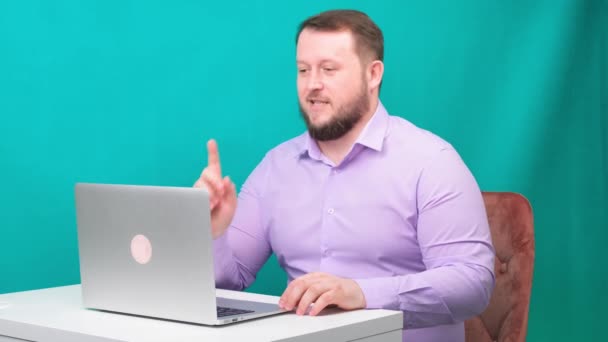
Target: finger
x=313 y=292
x=215 y=183
x=293 y=293
x=214 y=188
x=285 y=297
x=200 y=184
x=322 y=302
x=213 y=158
x=229 y=191
x=226 y=184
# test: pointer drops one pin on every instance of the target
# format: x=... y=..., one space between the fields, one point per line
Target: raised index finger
x=213 y=158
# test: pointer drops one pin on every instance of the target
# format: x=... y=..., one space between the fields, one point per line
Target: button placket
x=329 y=211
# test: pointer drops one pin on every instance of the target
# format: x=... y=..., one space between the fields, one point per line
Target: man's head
x=339 y=58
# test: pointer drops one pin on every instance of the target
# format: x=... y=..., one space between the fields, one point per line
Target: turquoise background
x=129 y=91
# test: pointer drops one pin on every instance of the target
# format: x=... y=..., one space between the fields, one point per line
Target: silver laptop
x=147 y=251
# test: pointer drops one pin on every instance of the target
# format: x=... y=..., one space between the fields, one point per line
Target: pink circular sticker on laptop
x=141 y=249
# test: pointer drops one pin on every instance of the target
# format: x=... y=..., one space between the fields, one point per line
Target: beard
x=343 y=120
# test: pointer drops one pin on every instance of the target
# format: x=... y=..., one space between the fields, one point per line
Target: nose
x=314 y=81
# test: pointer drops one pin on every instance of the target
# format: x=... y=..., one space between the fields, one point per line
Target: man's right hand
x=222 y=191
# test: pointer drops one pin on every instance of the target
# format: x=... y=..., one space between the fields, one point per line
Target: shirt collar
x=376 y=130
x=372 y=135
x=310 y=147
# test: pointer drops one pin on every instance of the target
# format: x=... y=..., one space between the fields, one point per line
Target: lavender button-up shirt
x=401 y=215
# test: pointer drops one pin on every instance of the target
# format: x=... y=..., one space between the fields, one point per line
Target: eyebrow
x=326 y=60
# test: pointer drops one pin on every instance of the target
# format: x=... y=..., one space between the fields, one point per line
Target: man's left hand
x=322 y=289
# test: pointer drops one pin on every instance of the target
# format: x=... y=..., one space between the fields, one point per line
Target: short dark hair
x=368 y=36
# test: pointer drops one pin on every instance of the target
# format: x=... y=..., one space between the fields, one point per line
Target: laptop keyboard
x=223 y=311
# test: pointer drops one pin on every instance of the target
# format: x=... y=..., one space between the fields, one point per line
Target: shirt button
x=330 y=211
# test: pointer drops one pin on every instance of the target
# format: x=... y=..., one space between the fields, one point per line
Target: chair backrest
x=512 y=228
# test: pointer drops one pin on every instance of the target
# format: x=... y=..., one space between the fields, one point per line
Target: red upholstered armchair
x=512 y=228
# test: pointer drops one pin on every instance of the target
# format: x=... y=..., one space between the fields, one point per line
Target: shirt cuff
x=222 y=262
x=380 y=293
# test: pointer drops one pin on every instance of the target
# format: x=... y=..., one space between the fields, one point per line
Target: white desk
x=56 y=314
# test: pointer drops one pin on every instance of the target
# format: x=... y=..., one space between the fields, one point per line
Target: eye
x=302 y=70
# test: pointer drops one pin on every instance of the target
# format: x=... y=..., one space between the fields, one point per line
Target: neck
x=336 y=150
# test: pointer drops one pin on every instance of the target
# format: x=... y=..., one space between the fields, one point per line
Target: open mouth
x=317 y=102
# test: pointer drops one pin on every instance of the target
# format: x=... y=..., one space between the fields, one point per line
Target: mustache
x=315 y=96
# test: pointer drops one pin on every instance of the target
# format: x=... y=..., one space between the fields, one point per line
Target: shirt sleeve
x=243 y=249
x=456 y=247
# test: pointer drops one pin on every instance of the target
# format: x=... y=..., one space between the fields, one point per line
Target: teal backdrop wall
x=129 y=91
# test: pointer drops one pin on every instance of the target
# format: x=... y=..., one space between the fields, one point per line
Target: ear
x=374 y=73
